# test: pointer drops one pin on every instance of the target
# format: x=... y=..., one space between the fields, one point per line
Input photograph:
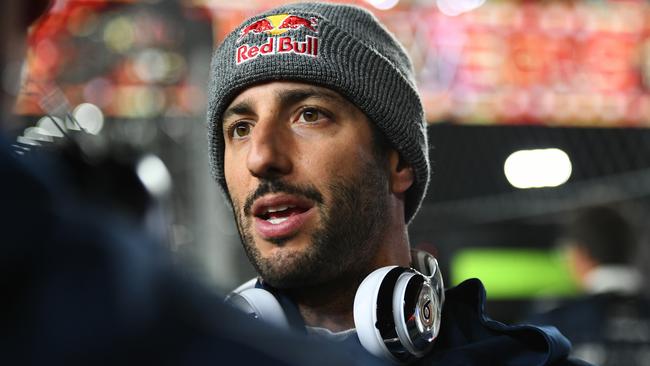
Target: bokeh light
x=139 y=101
x=457 y=7
x=537 y=168
x=383 y=4
x=89 y=117
x=119 y=34
x=152 y=65
x=37 y=134
x=154 y=175
x=51 y=126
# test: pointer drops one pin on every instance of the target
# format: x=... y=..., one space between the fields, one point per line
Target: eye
x=311 y=115
x=240 y=130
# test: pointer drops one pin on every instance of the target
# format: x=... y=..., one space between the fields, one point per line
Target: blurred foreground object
x=83 y=285
x=610 y=325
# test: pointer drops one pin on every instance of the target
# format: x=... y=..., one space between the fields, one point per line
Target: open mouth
x=281 y=215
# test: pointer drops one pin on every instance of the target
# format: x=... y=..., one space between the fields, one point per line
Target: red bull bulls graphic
x=262 y=25
x=276 y=25
x=295 y=22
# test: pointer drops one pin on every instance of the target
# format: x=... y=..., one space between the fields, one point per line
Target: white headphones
x=397 y=310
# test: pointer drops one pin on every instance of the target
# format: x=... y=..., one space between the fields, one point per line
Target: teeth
x=278 y=208
x=277 y=220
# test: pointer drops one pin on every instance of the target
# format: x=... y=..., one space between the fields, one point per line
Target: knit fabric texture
x=341 y=47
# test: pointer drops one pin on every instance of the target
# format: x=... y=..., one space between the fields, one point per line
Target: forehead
x=288 y=91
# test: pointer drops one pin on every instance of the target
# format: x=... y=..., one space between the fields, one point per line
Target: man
x=610 y=324
x=83 y=284
x=318 y=140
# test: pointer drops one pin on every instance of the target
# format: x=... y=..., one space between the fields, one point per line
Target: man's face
x=307 y=183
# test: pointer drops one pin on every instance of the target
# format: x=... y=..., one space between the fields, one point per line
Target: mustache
x=278 y=186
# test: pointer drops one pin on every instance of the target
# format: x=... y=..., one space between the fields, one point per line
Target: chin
x=295 y=242
x=284 y=256
x=287 y=267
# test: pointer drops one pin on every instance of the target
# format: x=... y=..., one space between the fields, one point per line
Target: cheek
x=334 y=161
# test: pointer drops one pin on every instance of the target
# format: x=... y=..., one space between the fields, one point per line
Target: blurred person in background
x=318 y=141
x=610 y=323
x=84 y=284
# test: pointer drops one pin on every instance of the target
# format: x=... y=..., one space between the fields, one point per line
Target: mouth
x=281 y=215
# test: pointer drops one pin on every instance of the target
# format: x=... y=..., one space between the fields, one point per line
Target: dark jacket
x=607 y=328
x=469 y=337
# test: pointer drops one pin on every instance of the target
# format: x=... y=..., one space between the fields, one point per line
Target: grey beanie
x=341 y=47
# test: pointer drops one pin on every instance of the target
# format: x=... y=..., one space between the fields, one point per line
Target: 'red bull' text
x=278 y=45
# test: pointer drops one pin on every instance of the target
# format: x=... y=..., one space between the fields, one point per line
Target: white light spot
x=48 y=126
x=90 y=117
x=37 y=134
x=154 y=175
x=383 y=4
x=457 y=7
x=27 y=141
x=537 y=168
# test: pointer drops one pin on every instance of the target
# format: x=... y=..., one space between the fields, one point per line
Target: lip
x=284 y=229
x=291 y=225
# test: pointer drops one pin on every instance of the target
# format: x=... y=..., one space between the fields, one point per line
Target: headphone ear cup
x=260 y=304
x=397 y=313
x=416 y=312
x=365 y=313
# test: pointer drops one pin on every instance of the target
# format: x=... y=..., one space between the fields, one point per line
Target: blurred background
x=537 y=110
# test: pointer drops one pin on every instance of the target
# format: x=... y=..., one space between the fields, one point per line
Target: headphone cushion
x=260 y=304
x=365 y=313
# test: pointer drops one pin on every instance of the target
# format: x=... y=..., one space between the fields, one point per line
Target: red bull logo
x=275 y=26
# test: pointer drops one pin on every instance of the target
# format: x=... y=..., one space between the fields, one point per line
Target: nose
x=269 y=155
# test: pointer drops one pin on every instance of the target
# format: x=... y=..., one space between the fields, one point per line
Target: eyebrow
x=293 y=96
x=241 y=108
x=286 y=98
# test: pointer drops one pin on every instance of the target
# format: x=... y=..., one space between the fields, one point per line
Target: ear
x=401 y=172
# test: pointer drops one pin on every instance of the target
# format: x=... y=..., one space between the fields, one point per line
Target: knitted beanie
x=341 y=47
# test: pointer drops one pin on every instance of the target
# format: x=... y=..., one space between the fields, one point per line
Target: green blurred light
x=514 y=273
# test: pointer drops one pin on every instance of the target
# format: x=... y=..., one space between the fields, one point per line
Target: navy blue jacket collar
x=469 y=337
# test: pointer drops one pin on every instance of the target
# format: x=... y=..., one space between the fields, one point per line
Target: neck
x=330 y=305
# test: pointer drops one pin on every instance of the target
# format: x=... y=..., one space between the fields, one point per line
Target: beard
x=343 y=244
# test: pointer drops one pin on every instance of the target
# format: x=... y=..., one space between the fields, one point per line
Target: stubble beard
x=345 y=241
